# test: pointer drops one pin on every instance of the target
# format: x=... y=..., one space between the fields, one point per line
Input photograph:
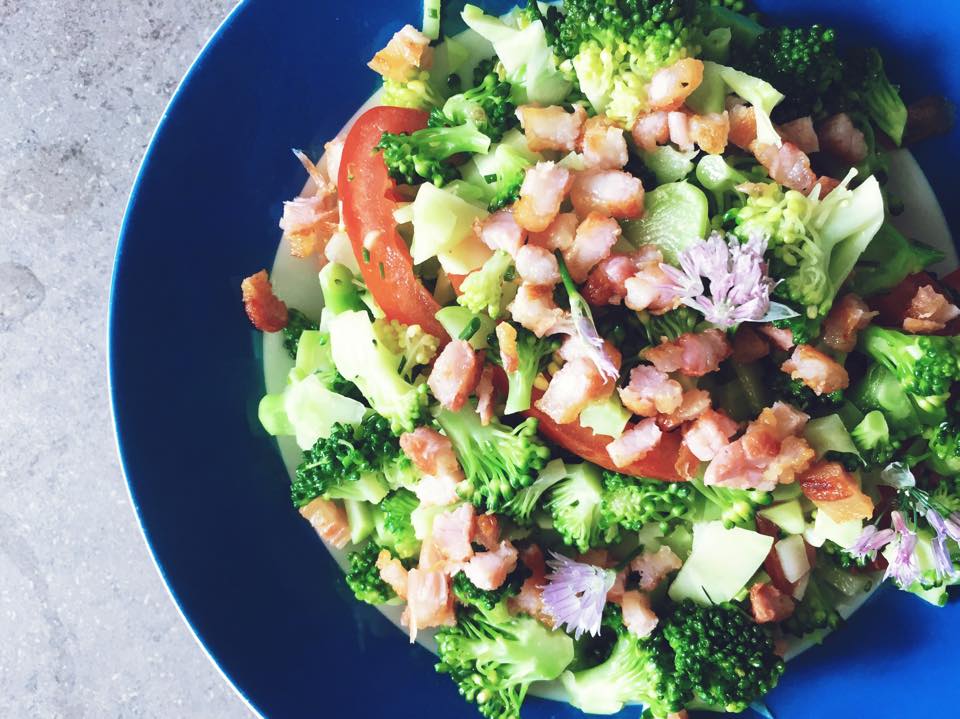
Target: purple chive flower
x=576 y=593
x=739 y=285
x=871 y=541
x=951 y=525
x=903 y=565
x=942 y=563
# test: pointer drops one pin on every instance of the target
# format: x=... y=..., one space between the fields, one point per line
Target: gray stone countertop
x=87 y=628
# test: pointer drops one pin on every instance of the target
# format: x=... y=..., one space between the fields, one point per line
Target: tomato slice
x=368 y=195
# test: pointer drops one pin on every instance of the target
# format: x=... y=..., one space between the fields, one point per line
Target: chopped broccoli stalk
x=632 y=503
x=733 y=507
x=297 y=322
x=888 y=259
x=576 y=506
x=420 y=156
x=868 y=86
x=340 y=292
x=880 y=390
x=482 y=290
x=364 y=579
x=487 y=106
x=494 y=657
x=872 y=437
x=944 y=443
x=348 y=463
x=532 y=352
x=523 y=503
x=497 y=460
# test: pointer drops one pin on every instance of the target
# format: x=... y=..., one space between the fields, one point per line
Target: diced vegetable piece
x=456 y=319
x=676 y=215
x=312 y=410
x=441 y=221
x=606 y=416
x=843 y=534
x=793 y=557
x=786 y=515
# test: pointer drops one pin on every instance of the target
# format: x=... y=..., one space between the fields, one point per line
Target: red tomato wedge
x=369 y=200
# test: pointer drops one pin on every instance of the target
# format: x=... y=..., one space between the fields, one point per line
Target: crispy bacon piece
x=671 y=86
x=500 y=231
x=743 y=125
x=929 y=311
x=711 y=131
x=429 y=601
x=748 y=346
x=693 y=354
x=408 y=51
x=488 y=570
x=679 y=126
x=594 y=239
x=552 y=128
x=571 y=389
x=613 y=193
x=801 y=133
x=392 y=572
x=653 y=567
x=537 y=265
x=308 y=223
x=486 y=530
x=534 y=308
x=453 y=532
x=559 y=234
x=708 y=434
x=694 y=403
x=638 y=617
x=836 y=492
x=455 y=374
x=329 y=520
x=651 y=130
x=769 y=604
x=816 y=370
x=787 y=165
x=431 y=452
x=507 y=338
x=544 y=188
x=604 y=146
x=781 y=338
x=635 y=444
x=651 y=392
x=606 y=282
x=530 y=598
x=485 y=395
x=266 y=311
x=840 y=138
x=650 y=289
x=847 y=317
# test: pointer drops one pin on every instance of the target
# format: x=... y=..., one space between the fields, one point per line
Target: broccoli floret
x=925 y=366
x=576 y=506
x=511 y=168
x=482 y=290
x=632 y=503
x=494 y=657
x=816 y=612
x=880 y=390
x=469 y=594
x=733 y=507
x=394 y=528
x=417 y=92
x=364 y=360
x=340 y=289
x=364 y=579
x=497 y=460
x=532 y=352
x=347 y=464
x=802 y=63
x=867 y=86
x=795 y=392
x=523 y=503
x=803 y=329
x=486 y=106
x=669 y=325
x=297 y=322
x=420 y=156
x=410 y=342
x=636 y=670
x=726 y=658
x=944 y=441
x=615 y=47
x=873 y=439
x=888 y=259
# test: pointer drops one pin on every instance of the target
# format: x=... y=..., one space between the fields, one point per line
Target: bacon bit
x=695 y=402
x=711 y=131
x=329 y=520
x=748 y=346
x=929 y=311
x=613 y=193
x=431 y=452
x=671 y=86
x=393 y=573
x=650 y=289
x=594 y=239
x=535 y=309
x=693 y=354
x=266 y=311
x=827 y=185
x=840 y=138
x=530 y=599
x=787 y=165
x=455 y=374
x=571 y=389
x=575 y=348
x=836 y=492
x=485 y=395
x=551 y=128
x=597 y=556
x=651 y=130
x=332 y=153
x=682 y=714
x=635 y=444
x=559 y=235
x=639 y=619
x=488 y=570
x=801 y=133
x=847 y=317
x=687 y=465
x=408 y=51
x=308 y=223
x=486 y=530
x=606 y=282
x=679 y=125
x=783 y=419
x=537 y=265
x=651 y=392
x=653 y=567
x=816 y=370
x=615 y=594
x=544 y=187
x=743 y=125
x=453 y=532
x=507 y=339
x=604 y=146
x=431 y=557
x=781 y=338
x=769 y=604
x=500 y=231
x=708 y=434
x=429 y=601
x=795 y=457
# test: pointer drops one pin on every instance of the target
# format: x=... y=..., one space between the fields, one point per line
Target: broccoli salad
x=614 y=373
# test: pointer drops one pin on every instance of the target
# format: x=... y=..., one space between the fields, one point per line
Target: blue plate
x=250 y=576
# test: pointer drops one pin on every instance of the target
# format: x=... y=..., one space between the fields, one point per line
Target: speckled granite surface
x=86 y=626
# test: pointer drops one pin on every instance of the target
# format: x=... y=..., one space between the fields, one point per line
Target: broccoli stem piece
x=340 y=293
x=532 y=351
x=297 y=323
x=872 y=437
x=419 y=156
x=881 y=100
x=734 y=507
